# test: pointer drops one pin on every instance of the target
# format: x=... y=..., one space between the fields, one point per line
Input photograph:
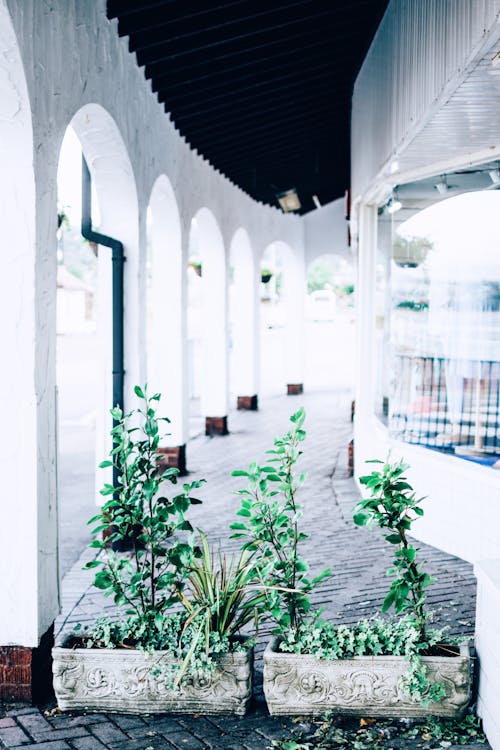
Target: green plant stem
x=292 y=606
x=119 y=585
x=139 y=567
x=416 y=591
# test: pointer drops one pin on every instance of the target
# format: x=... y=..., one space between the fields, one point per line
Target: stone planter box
x=364 y=685
x=133 y=682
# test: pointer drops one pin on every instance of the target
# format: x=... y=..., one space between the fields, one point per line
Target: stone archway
x=112 y=175
x=289 y=276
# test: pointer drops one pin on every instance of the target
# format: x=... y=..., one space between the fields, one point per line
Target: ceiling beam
x=201 y=62
x=230 y=89
x=291 y=96
x=158 y=34
x=296 y=125
x=277 y=145
x=236 y=40
x=258 y=67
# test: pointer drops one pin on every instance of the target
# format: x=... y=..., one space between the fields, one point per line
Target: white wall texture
x=393 y=106
x=487 y=633
x=62 y=60
x=326 y=231
x=426 y=102
x=407 y=112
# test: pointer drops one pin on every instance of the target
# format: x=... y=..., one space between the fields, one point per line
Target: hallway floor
x=355 y=590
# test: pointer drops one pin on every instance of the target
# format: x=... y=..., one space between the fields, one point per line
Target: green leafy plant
x=369 y=637
x=269 y=526
x=410 y=304
x=196 y=266
x=149 y=580
x=393 y=505
x=180 y=637
x=221 y=593
x=265 y=275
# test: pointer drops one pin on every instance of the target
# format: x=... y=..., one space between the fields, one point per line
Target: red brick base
x=350 y=458
x=174 y=458
x=216 y=426
x=248 y=403
x=295 y=389
x=26 y=673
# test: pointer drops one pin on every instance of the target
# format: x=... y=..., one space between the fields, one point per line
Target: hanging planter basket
x=196 y=266
x=266 y=275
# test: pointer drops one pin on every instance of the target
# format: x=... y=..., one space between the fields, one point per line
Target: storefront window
x=445 y=327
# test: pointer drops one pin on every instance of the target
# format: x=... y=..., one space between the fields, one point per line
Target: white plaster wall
x=462 y=512
x=72 y=57
x=403 y=96
x=487 y=635
x=27 y=550
x=422 y=107
x=326 y=231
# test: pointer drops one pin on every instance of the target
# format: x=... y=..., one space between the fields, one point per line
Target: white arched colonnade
x=136 y=159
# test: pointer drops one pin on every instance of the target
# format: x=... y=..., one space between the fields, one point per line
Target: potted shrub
x=379 y=667
x=265 y=275
x=196 y=266
x=160 y=653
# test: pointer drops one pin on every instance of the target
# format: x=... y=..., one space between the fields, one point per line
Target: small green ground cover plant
x=342 y=733
x=171 y=593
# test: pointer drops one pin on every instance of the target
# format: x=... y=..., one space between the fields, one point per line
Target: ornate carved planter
x=364 y=685
x=133 y=681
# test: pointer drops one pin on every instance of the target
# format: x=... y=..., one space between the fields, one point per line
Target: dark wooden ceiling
x=262 y=89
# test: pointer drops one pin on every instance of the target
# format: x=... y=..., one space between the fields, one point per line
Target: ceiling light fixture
x=289 y=200
x=316 y=201
x=393 y=204
x=494 y=176
x=442 y=186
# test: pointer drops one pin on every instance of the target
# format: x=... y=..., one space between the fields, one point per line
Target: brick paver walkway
x=358 y=557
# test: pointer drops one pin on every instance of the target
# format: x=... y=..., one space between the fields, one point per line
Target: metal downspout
x=118 y=260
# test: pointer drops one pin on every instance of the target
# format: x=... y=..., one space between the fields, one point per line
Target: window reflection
x=445 y=327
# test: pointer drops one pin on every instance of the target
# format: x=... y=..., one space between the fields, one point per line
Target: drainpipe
x=117 y=259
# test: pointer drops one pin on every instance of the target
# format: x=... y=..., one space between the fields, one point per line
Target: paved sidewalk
x=358 y=558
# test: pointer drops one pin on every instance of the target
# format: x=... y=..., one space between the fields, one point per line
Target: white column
x=245 y=314
x=167 y=334
x=294 y=292
x=28 y=531
x=365 y=299
x=215 y=385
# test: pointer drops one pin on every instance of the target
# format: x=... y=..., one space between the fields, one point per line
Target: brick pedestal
x=295 y=389
x=26 y=673
x=247 y=403
x=216 y=426
x=350 y=458
x=174 y=458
